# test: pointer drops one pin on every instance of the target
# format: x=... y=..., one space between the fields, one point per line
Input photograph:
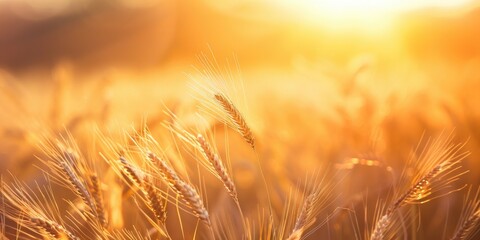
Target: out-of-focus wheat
x=469 y=223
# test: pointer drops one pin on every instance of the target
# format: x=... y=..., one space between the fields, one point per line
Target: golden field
x=328 y=121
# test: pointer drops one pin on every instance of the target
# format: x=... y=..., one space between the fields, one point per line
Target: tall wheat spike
x=78 y=186
x=470 y=218
x=187 y=192
x=468 y=227
x=440 y=163
x=217 y=166
x=303 y=218
x=54 y=229
x=237 y=118
x=96 y=192
x=154 y=199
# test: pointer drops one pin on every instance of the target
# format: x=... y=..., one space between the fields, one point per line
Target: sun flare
x=365 y=7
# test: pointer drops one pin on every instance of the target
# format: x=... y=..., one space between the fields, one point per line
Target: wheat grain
x=218 y=166
x=130 y=171
x=54 y=229
x=187 y=192
x=440 y=160
x=78 y=186
x=156 y=202
x=303 y=218
x=154 y=199
x=470 y=218
x=94 y=187
x=468 y=227
x=418 y=191
x=237 y=118
x=381 y=227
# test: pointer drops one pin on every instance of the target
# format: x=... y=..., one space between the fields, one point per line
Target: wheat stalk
x=154 y=199
x=131 y=172
x=303 y=219
x=470 y=218
x=237 y=118
x=96 y=192
x=381 y=227
x=418 y=191
x=78 y=186
x=71 y=169
x=187 y=192
x=467 y=227
x=156 y=202
x=54 y=229
x=443 y=157
x=217 y=166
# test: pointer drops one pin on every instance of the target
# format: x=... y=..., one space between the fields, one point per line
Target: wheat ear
x=78 y=186
x=303 y=218
x=96 y=192
x=185 y=190
x=237 y=118
x=416 y=192
x=467 y=227
x=218 y=166
x=53 y=229
x=470 y=223
x=130 y=172
x=381 y=227
x=154 y=200
x=443 y=159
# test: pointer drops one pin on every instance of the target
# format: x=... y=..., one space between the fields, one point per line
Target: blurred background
x=389 y=65
x=327 y=80
x=147 y=34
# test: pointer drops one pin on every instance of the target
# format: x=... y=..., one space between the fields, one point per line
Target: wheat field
x=281 y=140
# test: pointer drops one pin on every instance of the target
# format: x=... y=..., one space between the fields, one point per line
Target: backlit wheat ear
x=156 y=202
x=218 y=167
x=96 y=192
x=185 y=190
x=53 y=229
x=469 y=227
x=419 y=190
x=470 y=218
x=78 y=186
x=303 y=219
x=213 y=162
x=130 y=172
x=154 y=199
x=71 y=169
x=381 y=227
x=236 y=117
x=439 y=167
x=34 y=212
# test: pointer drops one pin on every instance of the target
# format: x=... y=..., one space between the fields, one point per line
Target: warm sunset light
x=368 y=6
x=239 y=119
x=371 y=16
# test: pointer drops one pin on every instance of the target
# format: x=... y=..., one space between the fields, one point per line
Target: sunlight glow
x=371 y=15
x=369 y=6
